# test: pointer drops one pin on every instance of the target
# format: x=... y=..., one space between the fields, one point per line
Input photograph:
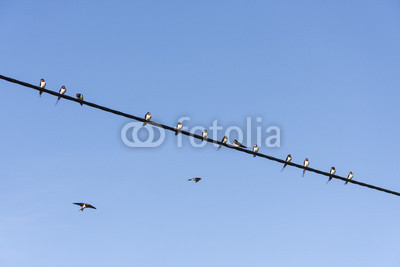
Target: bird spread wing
x=90 y=206
x=79 y=204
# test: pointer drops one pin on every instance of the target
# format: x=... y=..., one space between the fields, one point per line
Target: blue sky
x=326 y=73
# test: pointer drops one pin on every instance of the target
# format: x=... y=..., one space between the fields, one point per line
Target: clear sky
x=325 y=72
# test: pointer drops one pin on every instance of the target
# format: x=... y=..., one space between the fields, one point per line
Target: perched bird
x=147 y=117
x=178 y=128
x=61 y=92
x=205 y=134
x=196 y=179
x=84 y=206
x=223 y=141
x=349 y=177
x=237 y=144
x=42 y=85
x=80 y=98
x=306 y=163
x=255 y=149
x=288 y=159
x=332 y=172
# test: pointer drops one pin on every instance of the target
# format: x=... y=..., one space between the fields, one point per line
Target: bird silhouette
x=84 y=206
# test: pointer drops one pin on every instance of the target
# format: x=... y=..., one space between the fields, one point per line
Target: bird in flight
x=42 y=85
x=305 y=164
x=178 y=128
x=255 y=149
x=349 y=177
x=147 y=117
x=332 y=172
x=196 y=179
x=237 y=144
x=84 y=206
x=80 y=98
x=204 y=134
x=223 y=141
x=61 y=92
x=288 y=159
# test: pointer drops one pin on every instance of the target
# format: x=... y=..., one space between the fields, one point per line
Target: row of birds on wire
x=224 y=140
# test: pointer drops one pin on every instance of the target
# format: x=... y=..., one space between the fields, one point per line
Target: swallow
x=147 y=117
x=255 y=150
x=61 y=92
x=332 y=172
x=84 y=206
x=349 y=177
x=305 y=164
x=204 y=134
x=80 y=98
x=223 y=141
x=196 y=179
x=288 y=159
x=42 y=85
x=178 y=128
x=237 y=144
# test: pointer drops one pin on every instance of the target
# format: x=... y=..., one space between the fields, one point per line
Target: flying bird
x=61 y=92
x=255 y=149
x=332 y=172
x=204 y=134
x=178 y=127
x=147 y=117
x=84 y=206
x=306 y=163
x=223 y=141
x=42 y=85
x=349 y=177
x=237 y=144
x=80 y=98
x=288 y=159
x=196 y=179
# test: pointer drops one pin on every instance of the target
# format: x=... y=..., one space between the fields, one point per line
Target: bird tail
x=219 y=147
x=176 y=132
x=284 y=166
x=144 y=123
x=40 y=93
x=346 y=182
x=254 y=156
x=304 y=171
x=329 y=179
x=57 y=101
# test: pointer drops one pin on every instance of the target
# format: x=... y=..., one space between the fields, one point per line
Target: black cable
x=197 y=136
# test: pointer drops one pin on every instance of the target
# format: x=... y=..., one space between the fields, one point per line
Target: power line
x=166 y=127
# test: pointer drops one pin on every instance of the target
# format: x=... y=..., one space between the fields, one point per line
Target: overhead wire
x=169 y=128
